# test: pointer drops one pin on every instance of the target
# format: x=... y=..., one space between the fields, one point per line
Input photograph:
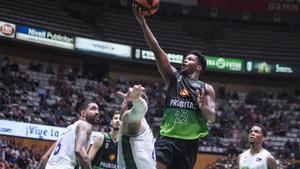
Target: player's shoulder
x=208 y=86
x=84 y=125
x=245 y=152
x=81 y=122
x=100 y=138
x=271 y=161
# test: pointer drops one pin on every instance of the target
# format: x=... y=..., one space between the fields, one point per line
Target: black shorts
x=176 y=153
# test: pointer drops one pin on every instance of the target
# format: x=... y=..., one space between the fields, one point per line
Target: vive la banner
x=34 y=131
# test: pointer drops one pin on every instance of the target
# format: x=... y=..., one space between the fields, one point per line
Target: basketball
x=149 y=7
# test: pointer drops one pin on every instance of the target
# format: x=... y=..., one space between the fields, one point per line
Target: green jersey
x=106 y=157
x=182 y=118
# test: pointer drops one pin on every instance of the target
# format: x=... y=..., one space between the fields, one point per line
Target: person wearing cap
x=190 y=104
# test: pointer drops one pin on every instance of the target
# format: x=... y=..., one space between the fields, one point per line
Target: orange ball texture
x=149 y=7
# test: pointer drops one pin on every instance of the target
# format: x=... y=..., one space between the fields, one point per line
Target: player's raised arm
x=140 y=107
x=95 y=147
x=83 y=133
x=163 y=64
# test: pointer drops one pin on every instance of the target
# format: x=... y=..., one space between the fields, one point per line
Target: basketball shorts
x=137 y=152
x=176 y=153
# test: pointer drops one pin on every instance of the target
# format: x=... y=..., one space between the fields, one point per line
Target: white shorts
x=137 y=152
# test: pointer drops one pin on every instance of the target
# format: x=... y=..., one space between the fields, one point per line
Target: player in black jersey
x=190 y=104
x=103 y=152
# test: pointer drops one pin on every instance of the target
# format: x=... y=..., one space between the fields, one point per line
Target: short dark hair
x=201 y=58
x=115 y=113
x=83 y=105
x=263 y=129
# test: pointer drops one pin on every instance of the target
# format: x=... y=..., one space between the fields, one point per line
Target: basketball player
x=70 y=150
x=256 y=157
x=136 y=142
x=103 y=152
x=190 y=104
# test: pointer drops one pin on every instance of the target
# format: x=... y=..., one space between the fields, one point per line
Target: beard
x=116 y=128
x=92 y=120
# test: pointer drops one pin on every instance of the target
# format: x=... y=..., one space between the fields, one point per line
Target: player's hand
x=137 y=11
x=201 y=100
x=133 y=93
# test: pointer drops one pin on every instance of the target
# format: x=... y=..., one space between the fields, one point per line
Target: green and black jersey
x=106 y=157
x=182 y=118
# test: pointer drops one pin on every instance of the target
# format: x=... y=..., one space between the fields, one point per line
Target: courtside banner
x=44 y=37
x=272 y=68
x=34 y=131
x=224 y=64
x=97 y=46
x=148 y=55
x=7 y=29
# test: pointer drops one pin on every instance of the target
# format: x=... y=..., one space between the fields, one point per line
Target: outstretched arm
x=45 y=157
x=138 y=111
x=140 y=107
x=83 y=133
x=95 y=147
x=207 y=103
x=163 y=64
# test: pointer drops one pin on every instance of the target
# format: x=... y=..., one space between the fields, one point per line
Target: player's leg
x=185 y=154
x=164 y=150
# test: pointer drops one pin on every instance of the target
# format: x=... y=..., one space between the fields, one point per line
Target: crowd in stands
x=17 y=156
x=41 y=94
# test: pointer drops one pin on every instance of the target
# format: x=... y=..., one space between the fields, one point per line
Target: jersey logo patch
x=258 y=159
x=112 y=157
x=184 y=92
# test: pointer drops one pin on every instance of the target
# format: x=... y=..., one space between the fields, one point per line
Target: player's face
x=116 y=122
x=92 y=113
x=256 y=135
x=190 y=64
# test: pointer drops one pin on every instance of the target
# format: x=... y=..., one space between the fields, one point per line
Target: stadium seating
x=32 y=93
x=42 y=14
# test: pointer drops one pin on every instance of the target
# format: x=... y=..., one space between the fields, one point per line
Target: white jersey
x=257 y=161
x=63 y=155
x=137 y=152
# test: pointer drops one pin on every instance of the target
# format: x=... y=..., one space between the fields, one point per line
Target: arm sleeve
x=138 y=111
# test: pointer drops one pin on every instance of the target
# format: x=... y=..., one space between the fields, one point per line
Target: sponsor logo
x=258 y=159
x=182 y=104
x=7 y=29
x=5 y=130
x=112 y=157
x=184 y=92
x=108 y=165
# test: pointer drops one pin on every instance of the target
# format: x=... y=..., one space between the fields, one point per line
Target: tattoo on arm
x=83 y=133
